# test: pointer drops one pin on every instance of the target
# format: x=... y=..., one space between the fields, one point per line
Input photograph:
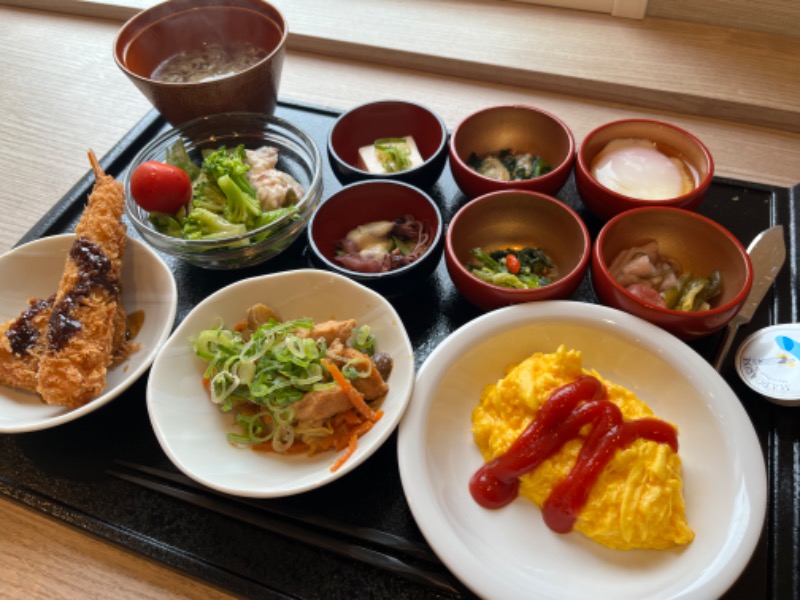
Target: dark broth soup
x=209 y=61
x=201 y=44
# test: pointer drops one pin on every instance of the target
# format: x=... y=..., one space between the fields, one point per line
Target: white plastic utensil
x=767 y=253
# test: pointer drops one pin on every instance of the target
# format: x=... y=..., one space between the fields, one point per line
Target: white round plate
x=193 y=431
x=34 y=270
x=510 y=553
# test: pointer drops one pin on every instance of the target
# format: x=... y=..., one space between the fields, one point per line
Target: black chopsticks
x=379 y=549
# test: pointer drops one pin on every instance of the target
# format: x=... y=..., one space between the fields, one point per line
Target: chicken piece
x=321 y=404
x=372 y=386
x=261 y=159
x=275 y=189
x=330 y=331
x=87 y=316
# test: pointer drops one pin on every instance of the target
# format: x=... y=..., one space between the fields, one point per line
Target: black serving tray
x=62 y=472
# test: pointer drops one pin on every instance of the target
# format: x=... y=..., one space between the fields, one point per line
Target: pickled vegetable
x=660 y=280
x=696 y=293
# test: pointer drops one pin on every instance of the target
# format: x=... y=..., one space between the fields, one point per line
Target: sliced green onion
x=364 y=340
x=357 y=368
x=245 y=370
x=254 y=429
x=212 y=341
x=223 y=385
x=283 y=438
x=393 y=154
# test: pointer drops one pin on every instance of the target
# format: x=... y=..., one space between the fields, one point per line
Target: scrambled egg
x=637 y=502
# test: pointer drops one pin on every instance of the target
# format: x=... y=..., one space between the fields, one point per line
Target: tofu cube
x=368 y=157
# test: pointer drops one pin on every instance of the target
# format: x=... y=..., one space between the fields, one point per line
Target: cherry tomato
x=160 y=187
x=512 y=264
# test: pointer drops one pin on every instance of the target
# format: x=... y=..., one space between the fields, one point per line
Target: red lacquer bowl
x=517 y=219
x=518 y=128
x=364 y=124
x=604 y=202
x=365 y=202
x=699 y=244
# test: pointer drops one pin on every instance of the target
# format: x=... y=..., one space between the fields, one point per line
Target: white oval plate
x=510 y=553
x=193 y=431
x=34 y=270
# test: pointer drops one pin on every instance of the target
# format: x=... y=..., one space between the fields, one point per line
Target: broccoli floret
x=224 y=202
x=166 y=224
x=240 y=207
x=204 y=224
x=207 y=194
x=270 y=216
x=232 y=163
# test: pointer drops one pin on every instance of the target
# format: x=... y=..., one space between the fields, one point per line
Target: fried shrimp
x=62 y=347
x=22 y=344
x=87 y=307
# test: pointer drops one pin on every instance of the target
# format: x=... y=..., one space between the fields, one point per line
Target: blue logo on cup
x=789 y=345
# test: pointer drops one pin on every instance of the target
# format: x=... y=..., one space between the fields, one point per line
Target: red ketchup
x=560 y=419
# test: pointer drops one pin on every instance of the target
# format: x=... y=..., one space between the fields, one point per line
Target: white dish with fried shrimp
x=197 y=436
x=148 y=292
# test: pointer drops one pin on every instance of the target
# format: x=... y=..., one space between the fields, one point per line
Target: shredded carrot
x=355 y=397
x=351 y=448
x=207 y=384
x=347 y=418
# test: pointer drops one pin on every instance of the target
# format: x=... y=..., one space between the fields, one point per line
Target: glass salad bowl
x=298 y=157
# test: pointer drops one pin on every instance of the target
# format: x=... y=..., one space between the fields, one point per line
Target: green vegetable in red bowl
x=523 y=269
x=508 y=165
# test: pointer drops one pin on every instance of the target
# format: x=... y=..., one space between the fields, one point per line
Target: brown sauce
x=23 y=335
x=133 y=324
x=94 y=273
